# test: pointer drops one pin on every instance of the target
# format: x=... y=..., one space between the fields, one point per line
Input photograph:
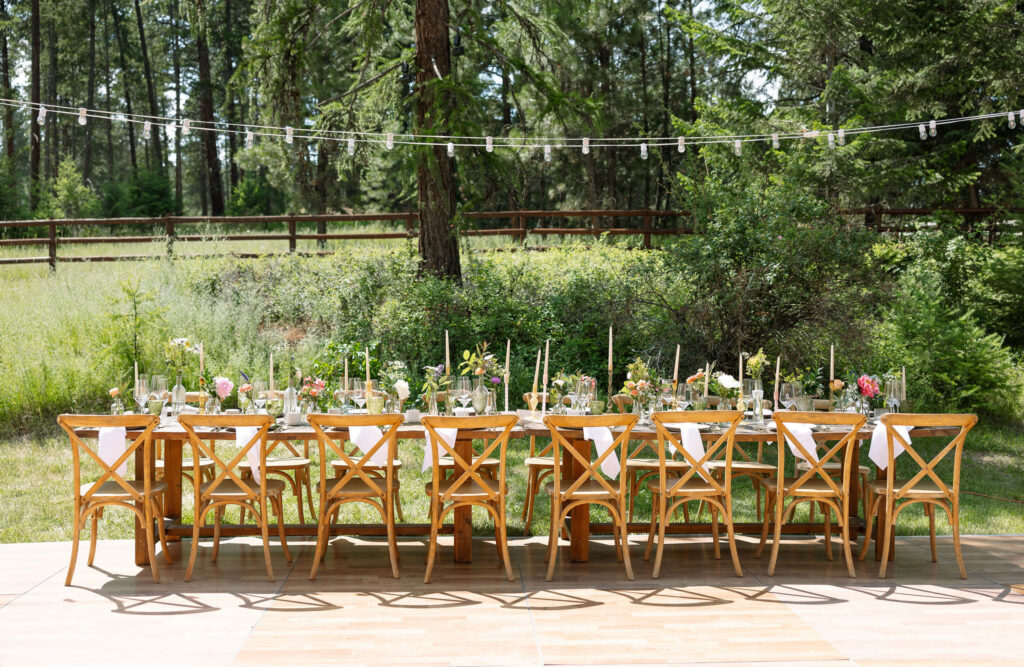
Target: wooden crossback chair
x=815 y=485
x=142 y=497
x=696 y=482
x=925 y=487
x=359 y=480
x=639 y=467
x=470 y=487
x=205 y=465
x=228 y=488
x=591 y=487
x=539 y=465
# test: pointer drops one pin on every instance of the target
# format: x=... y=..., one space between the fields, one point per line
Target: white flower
x=559 y=382
x=180 y=342
x=728 y=382
x=629 y=375
x=402 y=388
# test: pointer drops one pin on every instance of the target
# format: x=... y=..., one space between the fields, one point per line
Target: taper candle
x=903 y=385
x=447 y=355
x=508 y=361
x=778 y=362
x=675 y=371
x=367 y=353
x=832 y=363
x=544 y=396
x=202 y=351
x=536 y=372
x=707 y=378
x=611 y=339
x=136 y=373
x=271 y=372
x=344 y=387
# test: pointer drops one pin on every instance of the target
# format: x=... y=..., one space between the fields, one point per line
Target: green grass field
x=59 y=330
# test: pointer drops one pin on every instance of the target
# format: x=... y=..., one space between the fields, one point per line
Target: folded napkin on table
x=448 y=435
x=112 y=445
x=365 y=437
x=243 y=434
x=879 y=452
x=603 y=439
x=802 y=432
x=689 y=435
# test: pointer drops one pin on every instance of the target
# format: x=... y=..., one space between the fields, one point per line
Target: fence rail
x=600 y=222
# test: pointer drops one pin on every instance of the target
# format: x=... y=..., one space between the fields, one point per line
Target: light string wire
x=465 y=141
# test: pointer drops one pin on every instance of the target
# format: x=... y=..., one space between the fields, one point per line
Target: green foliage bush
x=145 y=194
x=69 y=197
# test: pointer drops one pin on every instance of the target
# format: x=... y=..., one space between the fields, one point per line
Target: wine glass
x=893 y=391
x=358 y=391
x=343 y=394
x=788 y=391
x=141 y=393
x=259 y=394
x=667 y=395
x=157 y=395
x=463 y=391
x=583 y=395
x=682 y=396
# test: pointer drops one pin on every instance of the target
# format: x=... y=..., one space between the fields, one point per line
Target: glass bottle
x=179 y=397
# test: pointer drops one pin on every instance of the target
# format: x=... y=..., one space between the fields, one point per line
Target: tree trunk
x=108 y=83
x=176 y=56
x=439 y=248
x=154 y=107
x=33 y=160
x=122 y=47
x=205 y=91
x=90 y=95
x=5 y=82
x=52 y=147
x=229 y=97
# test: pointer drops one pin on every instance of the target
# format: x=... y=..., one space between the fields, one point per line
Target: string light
x=738 y=148
x=547 y=153
x=81 y=115
x=390 y=143
x=490 y=144
x=681 y=145
x=119 y=117
x=41 y=118
x=1011 y=120
x=775 y=141
x=811 y=134
x=842 y=137
x=147 y=129
x=932 y=130
x=289 y=135
x=643 y=151
x=351 y=146
x=1021 y=114
x=451 y=149
x=831 y=140
x=586 y=145
x=921 y=131
x=186 y=126
x=249 y=138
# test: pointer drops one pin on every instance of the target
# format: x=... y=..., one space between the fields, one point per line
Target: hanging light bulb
x=932 y=130
x=119 y=117
x=389 y=141
x=451 y=149
x=842 y=137
x=186 y=126
x=249 y=138
x=921 y=131
x=831 y=140
x=586 y=145
x=41 y=118
x=775 y=140
x=681 y=145
x=1011 y=120
x=351 y=146
x=147 y=129
x=737 y=148
x=1021 y=114
x=811 y=134
x=490 y=144
x=289 y=135
x=547 y=153
x=643 y=151
x=81 y=115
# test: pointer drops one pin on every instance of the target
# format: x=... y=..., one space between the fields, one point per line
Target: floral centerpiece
x=756 y=364
x=116 y=407
x=178 y=352
x=311 y=392
x=219 y=389
x=485 y=368
x=562 y=385
x=867 y=388
x=434 y=380
x=393 y=380
x=726 y=387
x=693 y=385
x=640 y=386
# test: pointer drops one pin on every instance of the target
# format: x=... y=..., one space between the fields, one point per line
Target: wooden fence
x=518 y=225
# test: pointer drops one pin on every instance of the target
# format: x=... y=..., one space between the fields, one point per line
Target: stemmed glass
x=583 y=395
x=157 y=395
x=259 y=394
x=358 y=391
x=141 y=393
x=893 y=391
x=788 y=391
x=667 y=394
x=343 y=395
x=463 y=391
x=682 y=396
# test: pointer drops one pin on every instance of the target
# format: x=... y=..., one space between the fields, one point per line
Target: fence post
x=409 y=229
x=53 y=246
x=321 y=228
x=647 y=231
x=522 y=226
x=169 y=231
x=291 y=236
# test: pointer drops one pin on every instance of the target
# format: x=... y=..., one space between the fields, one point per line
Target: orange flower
x=696 y=376
x=836 y=385
x=115 y=392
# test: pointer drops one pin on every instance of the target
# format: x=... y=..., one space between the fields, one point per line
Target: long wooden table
x=174 y=438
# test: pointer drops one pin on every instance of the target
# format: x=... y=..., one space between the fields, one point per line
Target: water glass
x=141 y=392
x=463 y=391
x=259 y=394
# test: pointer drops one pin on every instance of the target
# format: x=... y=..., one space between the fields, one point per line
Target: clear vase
x=179 y=397
x=758 y=396
x=479 y=397
x=203 y=399
x=492 y=402
x=432 y=404
x=291 y=399
x=213 y=406
x=724 y=403
x=117 y=407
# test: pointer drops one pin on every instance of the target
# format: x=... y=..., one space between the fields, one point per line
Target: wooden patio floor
x=355 y=613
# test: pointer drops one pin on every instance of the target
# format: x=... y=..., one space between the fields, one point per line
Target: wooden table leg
x=172 y=477
x=880 y=526
x=463 y=516
x=579 y=518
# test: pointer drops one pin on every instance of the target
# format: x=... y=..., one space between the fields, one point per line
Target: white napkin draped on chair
x=429 y=449
x=243 y=434
x=112 y=445
x=364 y=438
x=603 y=439
x=689 y=435
x=802 y=432
x=879 y=451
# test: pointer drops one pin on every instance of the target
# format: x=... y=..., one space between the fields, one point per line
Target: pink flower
x=223 y=387
x=867 y=386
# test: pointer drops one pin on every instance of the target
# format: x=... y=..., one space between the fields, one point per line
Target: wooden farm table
x=174 y=438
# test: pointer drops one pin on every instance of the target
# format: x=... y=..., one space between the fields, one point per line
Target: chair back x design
x=224 y=471
x=817 y=469
x=467 y=472
x=724 y=445
x=590 y=469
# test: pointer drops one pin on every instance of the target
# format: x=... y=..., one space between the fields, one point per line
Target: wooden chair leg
x=954 y=520
x=551 y=531
x=633 y=486
x=158 y=512
x=929 y=509
x=844 y=522
x=217 y=514
x=827 y=513
x=197 y=522
x=714 y=531
x=432 y=547
x=398 y=507
x=526 y=498
x=556 y=523
x=662 y=522
x=769 y=509
x=392 y=541
x=264 y=519
x=886 y=536
x=623 y=526
x=92 y=537
x=756 y=483
x=321 y=542
x=76 y=529
x=732 y=540
x=869 y=520
x=309 y=491
x=777 y=535
x=502 y=537
x=146 y=516
x=278 y=503
x=655 y=502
